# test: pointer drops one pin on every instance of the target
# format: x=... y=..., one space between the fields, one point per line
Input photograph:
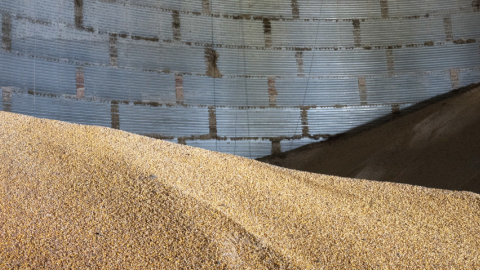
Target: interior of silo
x=239 y=134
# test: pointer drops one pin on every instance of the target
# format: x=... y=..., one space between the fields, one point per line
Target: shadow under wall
x=447 y=158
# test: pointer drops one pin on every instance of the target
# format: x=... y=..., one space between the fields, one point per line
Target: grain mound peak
x=74 y=196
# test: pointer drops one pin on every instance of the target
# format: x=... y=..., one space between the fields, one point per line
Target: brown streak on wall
x=78 y=13
x=390 y=62
x=357 y=38
x=454 y=79
x=304 y=117
x=80 y=82
x=212 y=121
x=211 y=58
x=115 y=111
x=476 y=5
x=272 y=91
x=295 y=9
x=206 y=6
x=276 y=147
x=6 y=32
x=299 y=58
x=176 y=26
x=182 y=141
x=447 y=23
x=362 y=89
x=7 y=98
x=179 y=87
x=384 y=8
x=395 y=110
x=113 y=50
x=267 y=31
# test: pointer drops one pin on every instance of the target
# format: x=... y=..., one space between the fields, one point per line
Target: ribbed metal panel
x=237 y=76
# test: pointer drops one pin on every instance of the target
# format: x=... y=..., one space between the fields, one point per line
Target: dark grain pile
x=437 y=146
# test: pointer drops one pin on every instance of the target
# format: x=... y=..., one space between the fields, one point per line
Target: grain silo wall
x=242 y=77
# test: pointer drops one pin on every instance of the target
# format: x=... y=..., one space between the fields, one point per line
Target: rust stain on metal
x=357 y=37
x=295 y=9
x=154 y=39
x=7 y=98
x=272 y=91
x=395 y=109
x=115 y=111
x=179 y=87
x=299 y=58
x=447 y=23
x=463 y=41
x=362 y=89
x=182 y=141
x=390 y=62
x=267 y=30
x=384 y=8
x=78 y=13
x=276 y=147
x=212 y=121
x=211 y=59
x=428 y=43
x=454 y=79
x=206 y=6
x=176 y=26
x=6 y=32
x=476 y=5
x=304 y=118
x=113 y=50
x=80 y=82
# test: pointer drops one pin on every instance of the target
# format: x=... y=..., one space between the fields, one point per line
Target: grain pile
x=438 y=146
x=74 y=196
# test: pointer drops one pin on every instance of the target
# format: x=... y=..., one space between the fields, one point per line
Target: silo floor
x=437 y=146
x=74 y=196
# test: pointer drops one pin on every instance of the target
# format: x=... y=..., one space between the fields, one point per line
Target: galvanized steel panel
x=448 y=56
x=339 y=120
x=69 y=110
x=48 y=11
x=183 y=5
x=385 y=32
x=345 y=63
x=236 y=92
x=467 y=77
x=269 y=122
x=168 y=121
x=130 y=85
x=246 y=62
x=407 y=89
x=317 y=91
x=315 y=34
x=333 y=9
x=466 y=26
x=279 y=8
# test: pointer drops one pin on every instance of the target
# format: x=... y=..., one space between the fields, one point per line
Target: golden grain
x=74 y=196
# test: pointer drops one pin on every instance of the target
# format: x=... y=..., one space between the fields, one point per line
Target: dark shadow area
x=435 y=143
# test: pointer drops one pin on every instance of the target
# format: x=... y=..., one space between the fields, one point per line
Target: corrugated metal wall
x=237 y=76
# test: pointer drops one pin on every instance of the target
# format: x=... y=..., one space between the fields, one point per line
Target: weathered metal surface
x=239 y=76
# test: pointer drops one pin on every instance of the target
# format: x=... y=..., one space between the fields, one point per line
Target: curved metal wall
x=238 y=76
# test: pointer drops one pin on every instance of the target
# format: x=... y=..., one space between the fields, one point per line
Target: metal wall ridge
x=360 y=46
x=466 y=8
x=32 y=92
x=296 y=77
